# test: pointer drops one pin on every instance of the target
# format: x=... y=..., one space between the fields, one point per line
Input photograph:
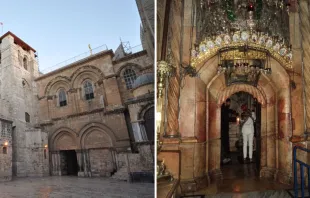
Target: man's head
x=227 y=103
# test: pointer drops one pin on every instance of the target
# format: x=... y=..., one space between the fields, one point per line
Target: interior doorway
x=69 y=165
x=237 y=167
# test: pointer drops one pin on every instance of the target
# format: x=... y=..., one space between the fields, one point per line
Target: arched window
x=62 y=98
x=149 y=123
x=129 y=77
x=25 y=63
x=88 y=90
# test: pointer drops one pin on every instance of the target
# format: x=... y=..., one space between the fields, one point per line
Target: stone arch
x=144 y=109
x=87 y=70
x=133 y=66
x=61 y=139
x=272 y=92
x=256 y=93
x=80 y=77
x=57 y=82
x=98 y=135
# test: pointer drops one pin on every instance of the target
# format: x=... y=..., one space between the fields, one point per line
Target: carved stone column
x=58 y=163
x=173 y=107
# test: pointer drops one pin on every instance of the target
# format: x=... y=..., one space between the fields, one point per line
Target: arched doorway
x=63 y=154
x=149 y=123
x=236 y=167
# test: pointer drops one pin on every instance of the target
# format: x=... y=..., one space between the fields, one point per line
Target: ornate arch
x=57 y=80
x=260 y=43
x=90 y=127
x=256 y=93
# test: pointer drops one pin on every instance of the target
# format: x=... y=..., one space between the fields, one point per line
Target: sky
x=61 y=29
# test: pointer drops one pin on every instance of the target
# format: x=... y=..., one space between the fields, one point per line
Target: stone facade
x=74 y=120
x=6 y=150
x=19 y=104
x=96 y=130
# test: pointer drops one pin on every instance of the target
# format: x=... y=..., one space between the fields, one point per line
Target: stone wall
x=6 y=150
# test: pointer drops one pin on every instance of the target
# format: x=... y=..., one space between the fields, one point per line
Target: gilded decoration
x=164 y=70
x=260 y=45
x=240 y=55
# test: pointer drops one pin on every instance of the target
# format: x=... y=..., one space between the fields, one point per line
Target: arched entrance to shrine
x=200 y=126
x=272 y=92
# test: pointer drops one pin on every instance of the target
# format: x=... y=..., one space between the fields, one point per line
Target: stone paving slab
x=74 y=187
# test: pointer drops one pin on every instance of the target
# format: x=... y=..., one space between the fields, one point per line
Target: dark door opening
x=149 y=123
x=69 y=165
x=237 y=167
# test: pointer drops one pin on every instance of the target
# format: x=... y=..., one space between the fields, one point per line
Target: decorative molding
x=254 y=41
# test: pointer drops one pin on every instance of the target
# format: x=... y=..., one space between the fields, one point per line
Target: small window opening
x=4 y=150
x=25 y=63
x=44 y=153
x=27 y=117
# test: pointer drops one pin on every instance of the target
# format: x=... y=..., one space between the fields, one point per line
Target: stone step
x=121 y=174
x=261 y=194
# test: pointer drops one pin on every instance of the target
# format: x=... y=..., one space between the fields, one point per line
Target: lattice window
x=88 y=90
x=129 y=77
x=62 y=98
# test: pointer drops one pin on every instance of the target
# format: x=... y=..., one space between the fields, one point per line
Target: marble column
x=58 y=163
x=80 y=163
x=305 y=35
x=53 y=163
x=173 y=49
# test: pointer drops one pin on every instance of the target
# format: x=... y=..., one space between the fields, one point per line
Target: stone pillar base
x=6 y=178
x=56 y=173
x=267 y=173
x=216 y=175
x=194 y=184
x=284 y=177
x=84 y=174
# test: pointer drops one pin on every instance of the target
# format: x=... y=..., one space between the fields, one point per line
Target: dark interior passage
x=69 y=163
x=237 y=167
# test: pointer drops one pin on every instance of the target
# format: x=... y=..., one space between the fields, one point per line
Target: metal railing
x=96 y=50
x=302 y=176
x=76 y=58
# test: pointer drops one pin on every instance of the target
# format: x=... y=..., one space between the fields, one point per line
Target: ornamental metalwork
x=255 y=41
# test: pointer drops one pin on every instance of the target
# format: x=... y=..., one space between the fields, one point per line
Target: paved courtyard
x=75 y=187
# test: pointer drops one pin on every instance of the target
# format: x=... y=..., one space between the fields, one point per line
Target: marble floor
x=241 y=180
x=75 y=187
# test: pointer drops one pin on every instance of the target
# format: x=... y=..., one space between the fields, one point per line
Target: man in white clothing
x=248 y=133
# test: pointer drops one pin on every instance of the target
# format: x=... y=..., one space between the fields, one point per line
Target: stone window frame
x=87 y=95
x=60 y=102
x=25 y=62
x=129 y=78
